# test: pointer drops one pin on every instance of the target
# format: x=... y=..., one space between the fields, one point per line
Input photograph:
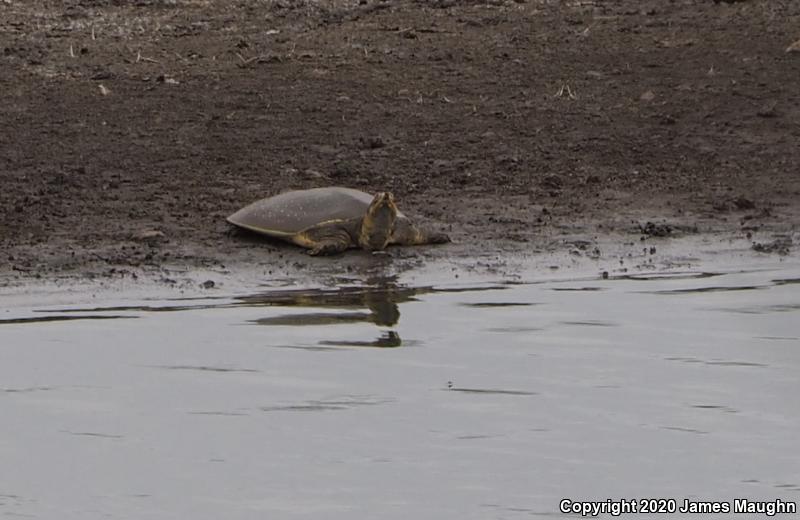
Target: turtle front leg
x=406 y=233
x=326 y=248
x=325 y=240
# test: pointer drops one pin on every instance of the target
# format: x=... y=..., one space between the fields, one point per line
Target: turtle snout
x=383 y=198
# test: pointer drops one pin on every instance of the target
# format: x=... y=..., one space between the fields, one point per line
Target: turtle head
x=378 y=222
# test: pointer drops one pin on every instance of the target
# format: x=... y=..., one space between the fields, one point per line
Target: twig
x=433 y=31
x=565 y=91
x=248 y=61
x=266 y=58
x=407 y=29
x=139 y=58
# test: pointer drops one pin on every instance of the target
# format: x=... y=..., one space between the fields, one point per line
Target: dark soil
x=130 y=130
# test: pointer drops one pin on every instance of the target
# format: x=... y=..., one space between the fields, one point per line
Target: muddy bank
x=130 y=132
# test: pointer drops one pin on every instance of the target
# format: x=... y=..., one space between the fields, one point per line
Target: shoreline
x=620 y=258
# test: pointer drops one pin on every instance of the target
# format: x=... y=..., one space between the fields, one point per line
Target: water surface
x=386 y=401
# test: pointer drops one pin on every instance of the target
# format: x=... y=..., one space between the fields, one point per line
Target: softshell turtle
x=329 y=220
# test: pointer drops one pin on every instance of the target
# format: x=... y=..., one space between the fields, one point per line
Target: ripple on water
x=590 y=323
x=489 y=305
x=703 y=290
x=492 y=391
x=760 y=309
x=786 y=281
x=513 y=329
x=716 y=362
x=94 y=434
x=203 y=368
x=46 y=319
x=720 y=408
x=25 y=390
x=684 y=430
x=342 y=403
x=578 y=289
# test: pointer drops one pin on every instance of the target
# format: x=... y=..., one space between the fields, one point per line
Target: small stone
x=552 y=182
x=768 y=110
x=781 y=246
x=372 y=143
x=168 y=80
x=743 y=203
x=656 y=230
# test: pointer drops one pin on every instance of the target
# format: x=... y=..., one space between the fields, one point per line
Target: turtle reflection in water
x=330 y=220
x=380 y=302
x=389 y=339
